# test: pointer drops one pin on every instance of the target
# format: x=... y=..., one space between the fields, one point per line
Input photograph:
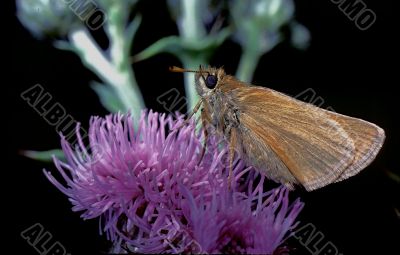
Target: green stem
x=191 y=29
x=127 y=90
x=248 y=64
x=120 y=78
x=190 y=87
x=113 y=69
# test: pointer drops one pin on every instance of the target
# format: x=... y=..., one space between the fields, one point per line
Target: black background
x=352 y=70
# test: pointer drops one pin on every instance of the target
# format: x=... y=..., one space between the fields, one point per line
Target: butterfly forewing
x=312 y=145
x=368 y=139
x=290 y=141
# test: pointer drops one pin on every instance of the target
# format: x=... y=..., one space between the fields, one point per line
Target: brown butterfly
x=290 y=141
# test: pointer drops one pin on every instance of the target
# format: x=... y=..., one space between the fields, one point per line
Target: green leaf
x=108 y=97
x=45 y=156
x=131 y=30
x=167 y=44
x=182 y=48
x=63 y=45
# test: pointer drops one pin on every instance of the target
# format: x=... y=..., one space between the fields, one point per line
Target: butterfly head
x=207 y=79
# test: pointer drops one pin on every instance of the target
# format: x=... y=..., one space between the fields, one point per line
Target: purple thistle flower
x=234 y=223
x=155 y=194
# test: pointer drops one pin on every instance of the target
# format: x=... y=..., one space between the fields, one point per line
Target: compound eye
x=211 y=81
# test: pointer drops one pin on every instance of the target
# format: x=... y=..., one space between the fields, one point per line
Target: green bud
x=46 y=17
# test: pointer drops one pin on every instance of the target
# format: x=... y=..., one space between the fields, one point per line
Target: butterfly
x=290 y=141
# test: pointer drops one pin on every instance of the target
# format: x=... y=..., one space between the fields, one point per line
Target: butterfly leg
x=205 y=120
x=195 y=109
x=232 y=146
